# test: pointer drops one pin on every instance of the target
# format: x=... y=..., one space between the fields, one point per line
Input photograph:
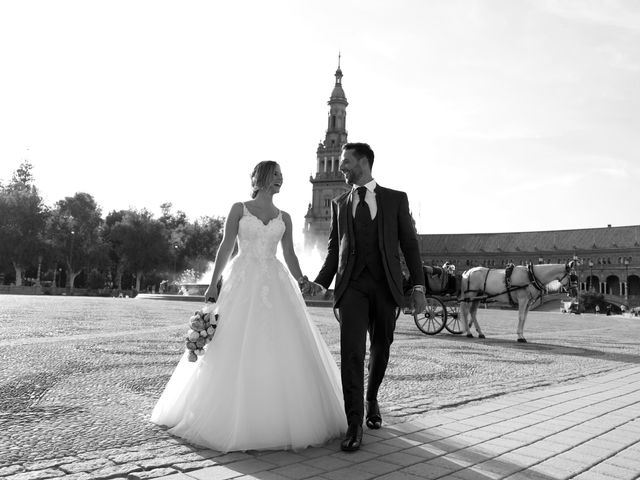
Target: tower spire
x=328 y=182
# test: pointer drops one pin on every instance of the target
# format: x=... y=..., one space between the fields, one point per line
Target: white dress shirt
x=370 y=198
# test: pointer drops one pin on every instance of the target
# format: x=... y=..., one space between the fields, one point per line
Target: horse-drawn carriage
x=453 y=299
x=443 y=304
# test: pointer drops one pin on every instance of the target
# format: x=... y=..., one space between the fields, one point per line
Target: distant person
x=597 y=309
x=267 y=380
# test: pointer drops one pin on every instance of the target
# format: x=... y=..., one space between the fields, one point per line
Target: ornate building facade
x=608 y=258
x=328 y=182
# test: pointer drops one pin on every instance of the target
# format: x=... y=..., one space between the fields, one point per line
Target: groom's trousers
x=366 y=306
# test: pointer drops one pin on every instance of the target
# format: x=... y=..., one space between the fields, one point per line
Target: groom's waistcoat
x=367 y=249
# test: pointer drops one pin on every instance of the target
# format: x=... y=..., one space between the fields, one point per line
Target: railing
x=42 y=290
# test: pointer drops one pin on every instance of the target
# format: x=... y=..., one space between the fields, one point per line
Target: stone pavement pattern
x=588 y=430
x=80 y=377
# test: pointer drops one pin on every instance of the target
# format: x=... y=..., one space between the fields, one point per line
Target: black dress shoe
x=353 y=438
x=373 y=418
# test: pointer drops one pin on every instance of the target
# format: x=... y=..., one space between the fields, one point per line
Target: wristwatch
x=302 y=280
x=418 y=288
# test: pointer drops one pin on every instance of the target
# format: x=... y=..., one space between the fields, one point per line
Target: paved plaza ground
x=80 y=376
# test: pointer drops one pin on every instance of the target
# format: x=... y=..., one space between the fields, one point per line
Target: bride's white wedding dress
x=267 y=380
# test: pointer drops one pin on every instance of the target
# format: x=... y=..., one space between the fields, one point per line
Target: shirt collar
x=371 y=186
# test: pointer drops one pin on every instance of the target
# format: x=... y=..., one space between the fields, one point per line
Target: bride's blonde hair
x=261 y=175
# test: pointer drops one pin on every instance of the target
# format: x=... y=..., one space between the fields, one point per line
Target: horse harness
x=508 y=271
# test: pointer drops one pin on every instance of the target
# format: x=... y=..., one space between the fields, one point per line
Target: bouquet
x=202 y=327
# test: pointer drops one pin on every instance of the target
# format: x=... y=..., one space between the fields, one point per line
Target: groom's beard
x=350 y=177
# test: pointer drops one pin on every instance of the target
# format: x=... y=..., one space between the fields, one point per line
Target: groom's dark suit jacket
x=395 y=228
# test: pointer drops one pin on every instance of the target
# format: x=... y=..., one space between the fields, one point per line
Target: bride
x=267 y=380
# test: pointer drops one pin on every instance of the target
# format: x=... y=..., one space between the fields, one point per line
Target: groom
x=368 y=224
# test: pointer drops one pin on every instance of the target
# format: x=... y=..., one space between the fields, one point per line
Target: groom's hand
x=418 y=300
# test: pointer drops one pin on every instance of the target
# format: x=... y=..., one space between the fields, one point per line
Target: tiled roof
x=544 y=241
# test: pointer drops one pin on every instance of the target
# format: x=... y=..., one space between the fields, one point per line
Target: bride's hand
x=211 y=295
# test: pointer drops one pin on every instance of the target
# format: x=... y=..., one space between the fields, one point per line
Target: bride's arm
x=290 y=257
x=226 y=248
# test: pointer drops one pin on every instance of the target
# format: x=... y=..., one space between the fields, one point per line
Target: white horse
x=523 y=287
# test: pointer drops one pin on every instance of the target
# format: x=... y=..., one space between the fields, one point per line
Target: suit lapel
x=344 y=215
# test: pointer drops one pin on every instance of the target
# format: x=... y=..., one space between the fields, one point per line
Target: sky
x=493 y=115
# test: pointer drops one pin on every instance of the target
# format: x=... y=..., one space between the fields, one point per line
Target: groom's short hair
x=360 y=150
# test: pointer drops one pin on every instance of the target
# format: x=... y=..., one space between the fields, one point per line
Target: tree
x=74 y=231
x=22 y=222
x=176 y=225
x=172 y=221
x=201 y=241
x=115 y=256
x=141 y=241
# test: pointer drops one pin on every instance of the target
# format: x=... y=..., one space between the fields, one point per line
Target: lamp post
x=576 y=261
x=39 y=270
x=73 y=234
x=175 y=262
x=590 y=275
x=626 y=285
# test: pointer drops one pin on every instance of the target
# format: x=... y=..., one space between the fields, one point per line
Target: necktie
x=363 y=214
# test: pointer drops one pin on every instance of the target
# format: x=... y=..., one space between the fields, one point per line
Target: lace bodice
x=257 y=239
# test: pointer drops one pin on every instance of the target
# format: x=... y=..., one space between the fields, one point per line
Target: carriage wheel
x=434 y=317
x=454 y=319
x=336 y=313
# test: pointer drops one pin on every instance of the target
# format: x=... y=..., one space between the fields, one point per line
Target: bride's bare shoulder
x=285 y=216
x=236 y=209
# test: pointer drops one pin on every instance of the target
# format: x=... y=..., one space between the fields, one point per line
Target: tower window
x=333 y=121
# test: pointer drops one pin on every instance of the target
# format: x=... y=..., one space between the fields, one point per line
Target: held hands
x=316 y=289
x=308 y=287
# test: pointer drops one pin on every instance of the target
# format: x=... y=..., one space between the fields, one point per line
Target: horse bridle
x=569 y=271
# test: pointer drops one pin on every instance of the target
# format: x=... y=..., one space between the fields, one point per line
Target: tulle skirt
x=266 y=381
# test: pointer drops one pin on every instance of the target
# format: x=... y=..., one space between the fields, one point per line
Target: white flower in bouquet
x=203 y=326
x=197 y=323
